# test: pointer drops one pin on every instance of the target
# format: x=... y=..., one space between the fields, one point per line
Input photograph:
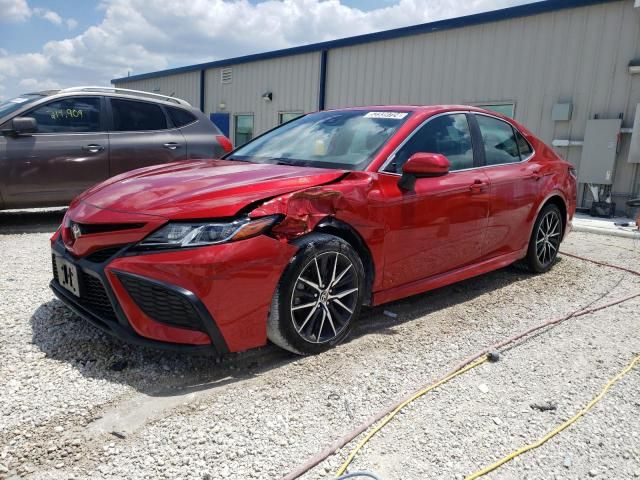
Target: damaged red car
x=288 y=236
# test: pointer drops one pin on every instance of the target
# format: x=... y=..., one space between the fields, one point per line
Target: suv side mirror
x=421 y=165
x=24 y=125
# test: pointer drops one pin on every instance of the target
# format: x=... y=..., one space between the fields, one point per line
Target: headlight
x=178 y=234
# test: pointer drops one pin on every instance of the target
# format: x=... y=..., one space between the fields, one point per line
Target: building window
x=284 y=117
x=243 y=129
x=507 y=109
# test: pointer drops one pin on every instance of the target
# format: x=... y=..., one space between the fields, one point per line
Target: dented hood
x=202 y=189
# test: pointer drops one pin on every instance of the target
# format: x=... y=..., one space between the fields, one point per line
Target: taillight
x=225 y=143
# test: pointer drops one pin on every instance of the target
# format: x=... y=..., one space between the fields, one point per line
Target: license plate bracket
x=68 y=275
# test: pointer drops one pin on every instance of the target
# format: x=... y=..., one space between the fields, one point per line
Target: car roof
x=115 y=92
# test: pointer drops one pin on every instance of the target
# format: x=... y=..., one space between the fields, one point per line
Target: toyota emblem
x=76 y=230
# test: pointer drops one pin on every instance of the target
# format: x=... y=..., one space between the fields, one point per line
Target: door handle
x=478 y=186
x=93 y=148
x=171 y=145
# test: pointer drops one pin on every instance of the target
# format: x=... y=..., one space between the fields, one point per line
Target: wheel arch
x=558 y=200
x=346 y=232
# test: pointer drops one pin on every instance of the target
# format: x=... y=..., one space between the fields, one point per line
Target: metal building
x=568 y=69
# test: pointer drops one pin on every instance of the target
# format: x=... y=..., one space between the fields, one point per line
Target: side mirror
x=24 y=125
x=421 y=165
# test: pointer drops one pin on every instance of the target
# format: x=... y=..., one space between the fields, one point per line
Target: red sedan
x=288 y=236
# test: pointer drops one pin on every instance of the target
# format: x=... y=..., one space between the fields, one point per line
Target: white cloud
x=48 y=15
x=139 y=36
x=72 y=23
x=35 y=85
x=14 y=11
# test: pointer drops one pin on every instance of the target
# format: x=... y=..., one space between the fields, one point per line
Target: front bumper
x=221 y=294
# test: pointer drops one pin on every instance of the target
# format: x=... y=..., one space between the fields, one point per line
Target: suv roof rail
x=126 y=90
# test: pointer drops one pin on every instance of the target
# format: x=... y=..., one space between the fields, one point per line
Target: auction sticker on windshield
x=394 y=115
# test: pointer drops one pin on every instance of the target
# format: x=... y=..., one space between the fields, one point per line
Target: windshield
x=345 y=139
x=10 y=106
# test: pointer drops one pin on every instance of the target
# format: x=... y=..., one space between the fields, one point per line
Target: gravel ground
x=67 y=386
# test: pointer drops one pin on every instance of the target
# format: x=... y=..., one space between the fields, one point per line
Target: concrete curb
x=606 y=231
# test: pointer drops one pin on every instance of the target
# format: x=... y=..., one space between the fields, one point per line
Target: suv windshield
x=10 y=106
x=346 y=139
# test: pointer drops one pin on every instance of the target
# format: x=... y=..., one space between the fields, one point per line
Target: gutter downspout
x=323 y=79
x=202 y=102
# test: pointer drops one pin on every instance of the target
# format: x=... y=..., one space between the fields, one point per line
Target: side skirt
x=443 y=279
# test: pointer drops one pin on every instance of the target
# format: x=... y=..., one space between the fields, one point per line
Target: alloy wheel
x=548 y=238
x=324 y=297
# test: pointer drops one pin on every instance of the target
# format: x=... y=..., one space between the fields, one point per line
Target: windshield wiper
x=282 y=161
x=236 y=159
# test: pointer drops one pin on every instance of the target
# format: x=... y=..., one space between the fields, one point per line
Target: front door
x=142 y=135
x=440 y=225
x=68 y=154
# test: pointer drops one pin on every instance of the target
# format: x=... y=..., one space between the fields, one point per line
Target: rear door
x=515 y=176
x=141 y=134
x=68 y=153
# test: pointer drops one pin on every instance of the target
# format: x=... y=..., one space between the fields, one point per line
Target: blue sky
x=59 y=43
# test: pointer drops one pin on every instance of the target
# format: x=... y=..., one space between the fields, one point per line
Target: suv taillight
x=225 y=143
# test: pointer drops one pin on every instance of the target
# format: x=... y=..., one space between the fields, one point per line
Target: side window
x=523 y=145
x=284 y=117
x=448 y=135
x=499 y=141
x=243 y=129
x=69 y=115
x=132 y=116
x=180 y=117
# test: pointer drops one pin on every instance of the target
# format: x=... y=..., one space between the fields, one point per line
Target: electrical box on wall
x=561 y=112
x=599 y=151
x=634 y=148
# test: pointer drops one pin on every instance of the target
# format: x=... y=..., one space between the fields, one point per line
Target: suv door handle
x=93 y=148
x=171 y=145
x=478 y=186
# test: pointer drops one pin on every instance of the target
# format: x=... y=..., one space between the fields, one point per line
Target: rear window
x=523 y=145
x=131 y=116
x=181 y=117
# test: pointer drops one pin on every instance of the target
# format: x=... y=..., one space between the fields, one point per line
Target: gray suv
x=56 y=144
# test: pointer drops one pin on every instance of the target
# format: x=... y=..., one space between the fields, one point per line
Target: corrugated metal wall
x=182 y=85
x=293 y=81
x=579 y=55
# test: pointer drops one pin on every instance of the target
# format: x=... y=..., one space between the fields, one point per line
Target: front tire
x=318 y=297
x=545 y=240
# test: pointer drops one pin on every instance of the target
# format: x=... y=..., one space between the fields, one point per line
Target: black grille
x=162 y=304
x=103 y=255
x=93 y=295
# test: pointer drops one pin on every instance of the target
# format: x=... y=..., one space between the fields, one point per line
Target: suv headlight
x=192 y=234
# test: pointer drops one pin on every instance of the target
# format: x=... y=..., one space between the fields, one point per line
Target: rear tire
x=318 y=297
x=545 y=241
